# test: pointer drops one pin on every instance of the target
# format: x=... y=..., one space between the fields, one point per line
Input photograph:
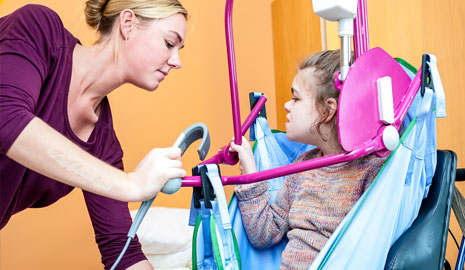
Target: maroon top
x=35 y=71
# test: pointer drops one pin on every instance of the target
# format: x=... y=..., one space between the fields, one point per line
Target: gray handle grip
x=186 y=138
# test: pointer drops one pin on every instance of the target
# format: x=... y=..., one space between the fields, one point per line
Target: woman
x=56 y=129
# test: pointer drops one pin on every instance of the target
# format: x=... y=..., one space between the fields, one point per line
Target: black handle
x=460 y=175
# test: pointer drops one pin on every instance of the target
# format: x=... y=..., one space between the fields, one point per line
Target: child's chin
x=288 y=136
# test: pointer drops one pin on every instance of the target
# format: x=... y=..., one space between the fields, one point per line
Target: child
x=310 y=205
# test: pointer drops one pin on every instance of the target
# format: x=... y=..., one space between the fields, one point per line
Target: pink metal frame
x=361 y=39
x=361 y=45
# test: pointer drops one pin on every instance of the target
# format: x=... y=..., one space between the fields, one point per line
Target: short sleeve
x=111 y=221
x=20 y=84
x=27 y=42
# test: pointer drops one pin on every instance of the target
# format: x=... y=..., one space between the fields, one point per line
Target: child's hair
x=325 y=65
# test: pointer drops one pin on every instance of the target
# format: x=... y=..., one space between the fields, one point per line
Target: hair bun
x=94 y=12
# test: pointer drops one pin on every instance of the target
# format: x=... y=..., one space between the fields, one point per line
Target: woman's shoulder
x=37 y=33
x=33 y=8
x=34 y=12
x=36 y=9
x=29 y=22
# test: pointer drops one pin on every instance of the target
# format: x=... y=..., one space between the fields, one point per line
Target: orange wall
x=296 y=34
x=60 y=236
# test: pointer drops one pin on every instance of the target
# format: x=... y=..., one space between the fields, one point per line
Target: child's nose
x=286 y=106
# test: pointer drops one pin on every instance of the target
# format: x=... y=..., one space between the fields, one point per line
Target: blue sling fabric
x=271 y=150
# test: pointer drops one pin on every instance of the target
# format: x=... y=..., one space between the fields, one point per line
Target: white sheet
x=166 y=238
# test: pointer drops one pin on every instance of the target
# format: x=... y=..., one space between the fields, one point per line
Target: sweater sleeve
x=264 y=224
x=111 y=221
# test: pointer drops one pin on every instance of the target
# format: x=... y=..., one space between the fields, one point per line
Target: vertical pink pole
x=232 y=73
x=361 y=38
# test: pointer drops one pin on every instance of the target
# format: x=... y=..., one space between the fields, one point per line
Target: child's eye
x=294 y=99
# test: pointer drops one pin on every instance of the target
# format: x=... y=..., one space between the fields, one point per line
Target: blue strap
x=438 y=88
x=215 y=180
x=220 y=213
x=208 y=260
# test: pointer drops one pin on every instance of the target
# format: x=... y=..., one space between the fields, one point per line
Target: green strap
x=406 y=64
x=236 y=249
x=194 y=242
x=216 y=248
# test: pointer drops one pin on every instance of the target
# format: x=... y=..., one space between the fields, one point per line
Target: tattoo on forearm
x=78 y=168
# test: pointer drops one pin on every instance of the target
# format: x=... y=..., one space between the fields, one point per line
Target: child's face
x=301 y=110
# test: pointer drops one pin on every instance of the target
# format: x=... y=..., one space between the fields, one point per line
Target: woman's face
x=151 y=50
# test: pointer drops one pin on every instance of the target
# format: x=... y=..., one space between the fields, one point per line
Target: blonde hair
x=101 y=14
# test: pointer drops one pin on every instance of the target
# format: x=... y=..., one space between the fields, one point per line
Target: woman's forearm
x=42 y=149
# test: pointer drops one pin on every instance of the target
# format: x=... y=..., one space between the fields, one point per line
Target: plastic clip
x=253 y=98
x=426 y=79
x=204 y=192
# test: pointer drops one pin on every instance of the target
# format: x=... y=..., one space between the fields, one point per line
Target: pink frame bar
x=407 y=100
x=361 y=38
x=232 y=72
x=194 y=181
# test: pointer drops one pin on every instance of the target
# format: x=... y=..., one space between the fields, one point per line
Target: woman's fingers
x=172 y=152
x=157 y=167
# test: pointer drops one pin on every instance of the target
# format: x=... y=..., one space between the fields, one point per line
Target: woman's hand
x=246 y=158
x=157 y=167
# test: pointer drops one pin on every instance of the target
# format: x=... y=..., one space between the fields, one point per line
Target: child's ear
x=331 y=103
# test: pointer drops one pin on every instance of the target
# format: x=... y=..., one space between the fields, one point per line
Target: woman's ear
x=127 y=21
x=331 y=103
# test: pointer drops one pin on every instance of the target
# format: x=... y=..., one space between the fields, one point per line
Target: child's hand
x=246 y=158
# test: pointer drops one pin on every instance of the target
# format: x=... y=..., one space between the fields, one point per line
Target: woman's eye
x=294 y=99
x=168 y=45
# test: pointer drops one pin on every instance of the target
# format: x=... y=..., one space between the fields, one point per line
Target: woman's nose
x=174 y=61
